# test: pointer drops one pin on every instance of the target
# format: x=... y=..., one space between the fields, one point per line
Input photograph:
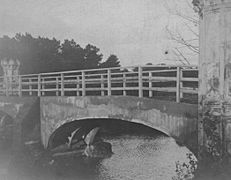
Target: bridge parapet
x=141 y=81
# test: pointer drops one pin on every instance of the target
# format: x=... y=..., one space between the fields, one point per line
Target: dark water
x=139 y=156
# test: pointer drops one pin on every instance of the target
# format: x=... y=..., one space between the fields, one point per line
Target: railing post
x=102 y=85
x=77 y=85
x=109 y=82
x=124 y=84
x=83 y=84
x=39 y=85
x=150 y=84
x=181 y=86
x=20 y=86
x=140 y=82
x=57 y=86
x=30 y=87
x=178 y=82
x=62 y=84
x=43 y=86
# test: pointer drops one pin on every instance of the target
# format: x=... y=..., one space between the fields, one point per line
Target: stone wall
x=215 y=77
x=26 y=117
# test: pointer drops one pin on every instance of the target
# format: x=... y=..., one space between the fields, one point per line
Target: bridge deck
x=142 y=81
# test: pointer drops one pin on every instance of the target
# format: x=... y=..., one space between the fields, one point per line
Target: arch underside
x=61 y=133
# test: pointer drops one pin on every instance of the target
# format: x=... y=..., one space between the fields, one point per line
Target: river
x=141 y=156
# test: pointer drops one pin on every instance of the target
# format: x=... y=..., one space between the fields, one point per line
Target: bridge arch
x=178 y=120
x=59 y=136
x=6 y=130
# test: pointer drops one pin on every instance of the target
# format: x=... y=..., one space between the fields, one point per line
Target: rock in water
x=60 y=148
x=80 y=145
x=99 y=150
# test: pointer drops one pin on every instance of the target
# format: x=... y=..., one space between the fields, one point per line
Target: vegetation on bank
x=204 y=169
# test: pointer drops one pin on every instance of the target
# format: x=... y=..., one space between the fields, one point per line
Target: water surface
x=136 y=156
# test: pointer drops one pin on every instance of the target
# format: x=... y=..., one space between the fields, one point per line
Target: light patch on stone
x=2 y=104
x=70 y=100
x=80 y=103
x=18 y=106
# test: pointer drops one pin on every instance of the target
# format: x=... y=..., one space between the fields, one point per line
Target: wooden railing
x=143 y=81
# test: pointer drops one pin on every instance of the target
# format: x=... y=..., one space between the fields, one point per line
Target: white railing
x=142 y=81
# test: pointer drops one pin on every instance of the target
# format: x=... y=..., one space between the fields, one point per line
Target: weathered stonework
x=24 y=112
x=214 y=76
x=174 y=119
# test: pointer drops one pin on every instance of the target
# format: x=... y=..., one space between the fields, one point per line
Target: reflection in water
x=134 y=157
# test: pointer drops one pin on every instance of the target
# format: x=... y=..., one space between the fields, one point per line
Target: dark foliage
x=41 y=54
x=112 y=61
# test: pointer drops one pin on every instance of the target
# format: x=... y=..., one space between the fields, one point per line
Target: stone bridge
x=38 y=118
x=176 y=120
x=173 y=119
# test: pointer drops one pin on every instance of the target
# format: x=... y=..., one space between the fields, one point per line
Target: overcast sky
x=134 y=30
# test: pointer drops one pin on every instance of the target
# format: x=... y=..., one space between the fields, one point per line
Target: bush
x=185 y=171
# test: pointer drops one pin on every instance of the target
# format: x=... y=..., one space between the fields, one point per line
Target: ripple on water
x=142 y=158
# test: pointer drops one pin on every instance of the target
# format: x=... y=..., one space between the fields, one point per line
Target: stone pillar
x=11 y=75
x=214 y=124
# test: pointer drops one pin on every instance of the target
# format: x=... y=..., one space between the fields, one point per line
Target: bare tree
x=186 y=40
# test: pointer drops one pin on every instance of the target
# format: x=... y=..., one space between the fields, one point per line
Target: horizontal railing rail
x=142 y=81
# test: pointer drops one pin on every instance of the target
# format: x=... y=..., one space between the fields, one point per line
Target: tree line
x=41 y=54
